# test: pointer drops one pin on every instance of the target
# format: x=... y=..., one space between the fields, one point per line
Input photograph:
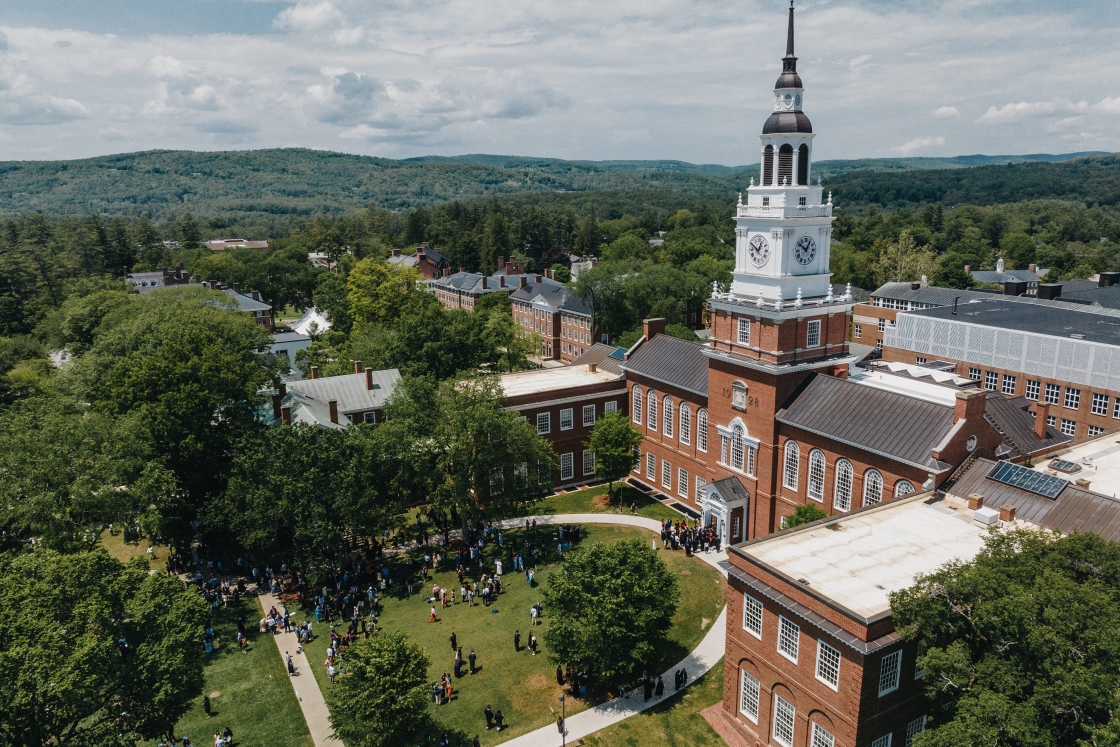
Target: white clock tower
x=784 y=227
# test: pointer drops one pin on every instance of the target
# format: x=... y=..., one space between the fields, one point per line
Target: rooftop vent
x=986 y=516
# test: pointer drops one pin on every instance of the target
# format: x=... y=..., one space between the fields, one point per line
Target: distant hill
x=272 y=184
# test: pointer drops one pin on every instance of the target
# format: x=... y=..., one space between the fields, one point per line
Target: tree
x=611 y=606
x=381 y=696
x=496 y=239
x=330 y=298
x=615 y=445
x=90 y=688
x=378 y=290
x=190 y=237
x=1020 y=644
x=804 y=514
x=903 y=260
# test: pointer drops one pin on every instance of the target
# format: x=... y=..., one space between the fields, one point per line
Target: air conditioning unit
x=986 y=516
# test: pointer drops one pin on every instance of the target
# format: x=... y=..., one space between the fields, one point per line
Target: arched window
x=816 y=475
x=651 y=412
x=803 y=165
x=903 y=487
x=792 y=466
x=872 y=487
x=637 y=408
x=768 y=166
x=685 y=427
x=737 y=447
x=842 y=494
x=785 y=164
x=667 y=421
x=702 y=430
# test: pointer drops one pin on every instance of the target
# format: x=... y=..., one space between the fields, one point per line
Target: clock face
x=759 y=250
x=805 y=250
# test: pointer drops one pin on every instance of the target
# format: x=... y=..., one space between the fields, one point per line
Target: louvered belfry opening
x=785 y=164
x=803 y=165
x=768 y=166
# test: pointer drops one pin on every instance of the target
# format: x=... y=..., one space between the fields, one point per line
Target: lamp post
x=561 y=725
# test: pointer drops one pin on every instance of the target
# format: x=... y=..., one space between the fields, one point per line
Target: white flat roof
x=923 y=390
x=550 y=379
x=1099 y=460
x=860 y=559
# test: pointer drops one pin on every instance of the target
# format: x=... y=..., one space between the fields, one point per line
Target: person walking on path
x=288 y=661
x=517 y=640
x=660 y=689
x=489 y=718
x=206 y=705
x=498 y=718
x=471 y=658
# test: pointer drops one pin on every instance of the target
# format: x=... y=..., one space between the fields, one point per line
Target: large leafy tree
x=615 y=443
x=65 y=678
x=381 y=696
x=378 y=290
x=610 y=606
x=1020 y=644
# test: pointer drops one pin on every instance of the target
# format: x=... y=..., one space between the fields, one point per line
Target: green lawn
x=675 y=723
x=123 y=551
x=250 y=693
x=593 y=500
x=522 y=686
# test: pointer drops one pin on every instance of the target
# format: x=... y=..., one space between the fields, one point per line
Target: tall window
x=784 y=715
x=544 y=422
x=1032 y=389
x=651 y=412
x=752 y=616
x=748 y=695
x=803 y=165
x=1073 y=398
x=816 y=475
x=566 y=419
x=883 y=741
x=788 y=638
x=914 y=728
x=651 y=466
x=682 y=482
x=828 y=665
x=702 y=430
x=744 y=330
x=667 y=421
x=637 y=408
x=768 y=166
x=792 y=465
x=842 y=494
x=750 y=460
x=666 y=474
x=737 y=447
x=889 y=671
x=588 y=415
x=821 y=737
x=872 y=487
x=990 y=380
x=903 y=487
x=588 y=462
x=813 y=334
x=567 y=466
x=685 y=427
x=785 y=164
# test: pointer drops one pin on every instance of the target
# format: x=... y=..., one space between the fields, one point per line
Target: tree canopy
x=615 y=443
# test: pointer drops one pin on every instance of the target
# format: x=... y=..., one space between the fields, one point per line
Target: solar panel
x=618 y=354
x=1027 y=479
x=1064 y=466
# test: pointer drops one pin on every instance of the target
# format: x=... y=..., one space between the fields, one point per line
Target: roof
x=887 y=423
x=1108 y=296
x=605 y=357
x=349 y=390
x=405 y=260
x=290 y=337
x=1009 y=416
x=1094 y=324
x=787 y=122
x=731 y=489
x=857 y=560
x=524 y=383
x=1074 y=509
x=471 y=282
x=930 y=294
x=1007 y=276
x=247 y=303
x=673 y=361
x=550 y=293
x=312 y=317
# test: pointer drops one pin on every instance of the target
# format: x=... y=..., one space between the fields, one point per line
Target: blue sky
x=685 y=79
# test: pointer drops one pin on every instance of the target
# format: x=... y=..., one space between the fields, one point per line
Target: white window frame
x=651 y=466
x=826 y=666
x=753 y=613
x=1034 y=386
x=610 y=406
x=702 y=430
x=991 y=380
x=651 y=410
x=789 y=638
x=1069 y=427
x=369 y=417
x=883 y=741
x=750 y=691
x=588 y=415
x=1008 y=385
x=738 y=448
x=914 y=728
x=785 y=721
x=666 y=474
x=567 y=466
x=567 y=419
x=684 y=424
x=588 y=462
x=872 y=484
x=700 y=483
x=1095 y=430
x=636 y=408
x=903 y=487
x=1073 y=395
x=890 y=672
x=974 y=373
x=667 y=417
x=857 y=331
x=1053 y=393
x=817 y=469
x=682 y=482
x=813 y=333
x=544 y=423
x=842 y=485
x=744 y=330
x=820 y=737
x=791 y=464
x=1100 y=404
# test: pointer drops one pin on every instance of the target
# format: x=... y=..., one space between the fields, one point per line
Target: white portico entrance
x=724 y=504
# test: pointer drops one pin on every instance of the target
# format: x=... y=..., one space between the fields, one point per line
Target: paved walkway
x=308 y=694
x=703 y=657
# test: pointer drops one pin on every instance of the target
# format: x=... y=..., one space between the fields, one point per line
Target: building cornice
x=568 y=400
x=783 y=368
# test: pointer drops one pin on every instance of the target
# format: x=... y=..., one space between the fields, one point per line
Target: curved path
x=703 y=657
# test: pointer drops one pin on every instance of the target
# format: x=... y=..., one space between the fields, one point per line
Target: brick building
x=462 y=290
x=565 y=323
x=431 y=263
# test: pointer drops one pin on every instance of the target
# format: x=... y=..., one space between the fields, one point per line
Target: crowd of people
x=678 y=534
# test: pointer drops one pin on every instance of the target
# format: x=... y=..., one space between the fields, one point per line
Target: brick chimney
x=975 y=501
x=592 y=367
x=395 y=252
x=314 y=372
x=358 y=367
x=521 y=281
x=501 y=263
x=213 y=284
x=1041 y=411
x=369 y=379
x=501 y=281
x=968 y=269
x=286 y=414
x=970 y=405
x=283 y=389
x=1032 y=268
x=655 y=327
x=256 y=295
x=536 y=278
x=237 y=287
x=332 y=405
x=277 y=399
x=1007 y=513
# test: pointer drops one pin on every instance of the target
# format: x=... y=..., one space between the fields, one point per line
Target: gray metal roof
x=673 y=361
x=290 y=337
x=349 y=390
x=247 y=303
x=1009 y=416
x=1075 y=508
x=1109 y=296
x=731 y=489
x=930 y=294
x=552 y=293
x=1007 y=276
x=1092 y=323
x=604 y=356
x=886 y=423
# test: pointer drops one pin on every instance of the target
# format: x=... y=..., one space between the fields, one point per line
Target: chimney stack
x=314 y=372
x=1049 y=291
x=283 y=389
x=1108 y=279
x=333 y=406
x=256 y=295
x=237 y=287
x=396 y=252
x=286 y=414
x=592 y=367
x=968 y=269
x=277 y=399
x=358 y=367
x=536 y=278
x=501 y=263
x=501 y=281
x=654 y=327
x=1081 y=482
x=970 y=405
x=1032 y=268
x=1041 y=411
x=484 y=283
x=369 y=379
x=521 y=281
x=1007 y=513
x=975 y=501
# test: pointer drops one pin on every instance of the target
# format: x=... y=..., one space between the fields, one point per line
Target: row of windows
x=891 y=303
x=682 y=482
x=785 y=714
x=567 y=422
x=576 y=321
x=1051 y=395
x=568 y=468
x=668 y=411
x=812 y=332
x=842 y=486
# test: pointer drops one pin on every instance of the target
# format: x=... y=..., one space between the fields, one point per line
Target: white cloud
x=1010 y=113
x=946 y=112
x=348 y=37
x=307 y=16
x=917 y=144
x=1109 y=105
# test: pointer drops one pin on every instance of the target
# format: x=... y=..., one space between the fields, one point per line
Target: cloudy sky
x=683 y=79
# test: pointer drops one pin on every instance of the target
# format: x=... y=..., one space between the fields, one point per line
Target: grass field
x=115 y=545
x=523 y=686
x=594 y=500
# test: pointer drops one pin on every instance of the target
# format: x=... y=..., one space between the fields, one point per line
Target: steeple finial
x=789 y=34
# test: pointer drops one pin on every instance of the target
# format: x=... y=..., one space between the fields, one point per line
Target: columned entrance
x=723 y=506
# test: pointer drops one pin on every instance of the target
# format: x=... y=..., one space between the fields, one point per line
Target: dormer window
x=765 y=202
